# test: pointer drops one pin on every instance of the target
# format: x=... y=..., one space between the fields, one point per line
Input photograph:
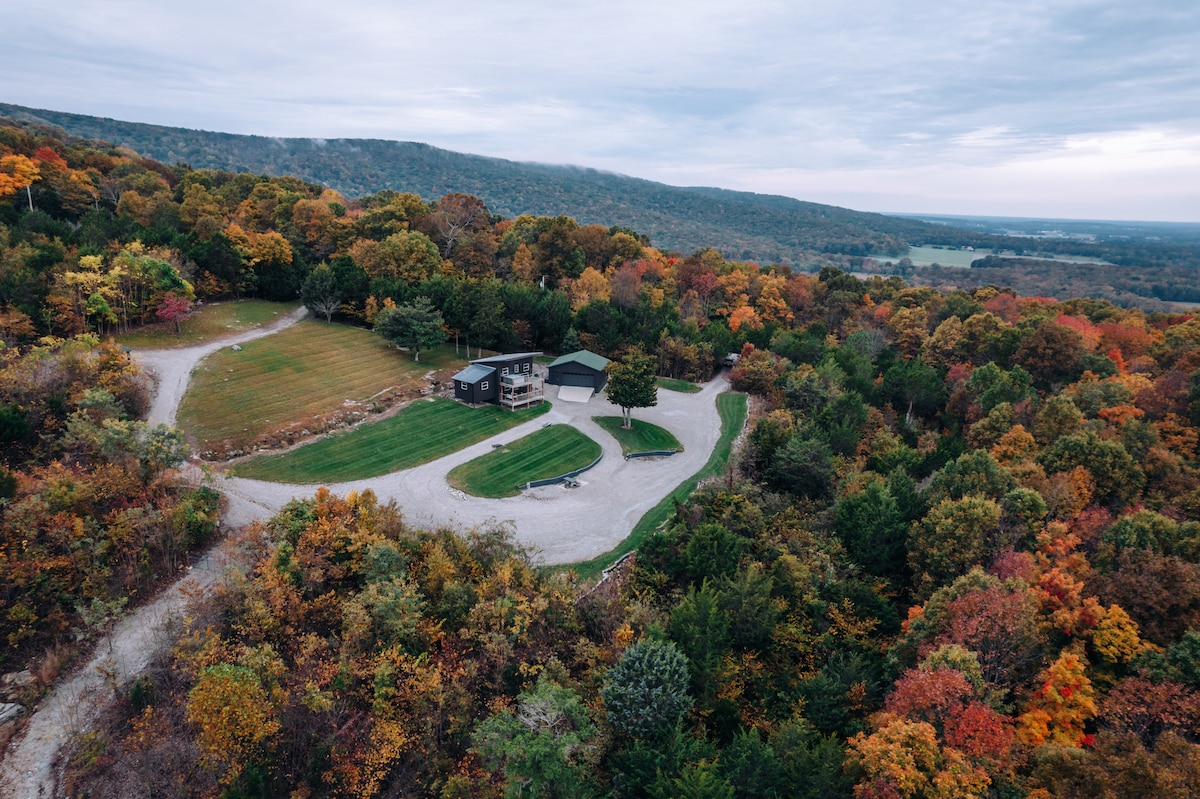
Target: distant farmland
x=954 y=257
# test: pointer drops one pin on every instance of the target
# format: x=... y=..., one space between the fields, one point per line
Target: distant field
x=644 y=437
x=422 y=432
x=211 y=321
x=549 y=452
x=308 y=370
x=926 y=256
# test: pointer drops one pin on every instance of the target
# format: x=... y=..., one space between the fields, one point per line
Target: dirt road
x=28 y=768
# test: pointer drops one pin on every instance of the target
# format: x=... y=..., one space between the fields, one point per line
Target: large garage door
x=568 y=379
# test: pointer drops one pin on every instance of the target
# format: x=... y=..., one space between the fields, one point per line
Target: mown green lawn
x=733 y=409
x=549 y=452
x=309 y=369
x=643 y=437
x=209 y=322
x=682 y=386
x=424 y=431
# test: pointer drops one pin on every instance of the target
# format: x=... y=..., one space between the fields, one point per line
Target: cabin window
x=504 y=370
x=525 y=367
x=466 y=386
x=483 y=386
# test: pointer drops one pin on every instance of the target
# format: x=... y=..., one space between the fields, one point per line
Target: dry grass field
x=312 y=375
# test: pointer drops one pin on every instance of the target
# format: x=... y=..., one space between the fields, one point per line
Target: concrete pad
x=575 y=393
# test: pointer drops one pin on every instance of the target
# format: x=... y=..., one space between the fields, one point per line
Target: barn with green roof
x=579 y=369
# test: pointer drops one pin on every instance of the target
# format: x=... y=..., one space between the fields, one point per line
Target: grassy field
x=308 y=370
x=644 y=437
x=682 y=386
x=733 y=409
x=209 y=322
x=422 y=432
x=549 y=452
x=925 y=256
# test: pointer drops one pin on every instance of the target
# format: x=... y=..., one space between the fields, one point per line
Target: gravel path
x=561 y=524
x=28 y=768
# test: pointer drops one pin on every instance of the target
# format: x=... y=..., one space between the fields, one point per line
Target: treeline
x=741 y=225
x=97 y=239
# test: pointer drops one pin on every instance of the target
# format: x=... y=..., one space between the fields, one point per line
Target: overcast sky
x=1055 y=108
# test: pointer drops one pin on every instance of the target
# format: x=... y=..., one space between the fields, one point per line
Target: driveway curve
x=561 y=525
x=172 y=368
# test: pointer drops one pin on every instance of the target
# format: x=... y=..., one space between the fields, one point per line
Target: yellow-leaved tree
x=235 y=718
x=1059 y=710
x=17 y=172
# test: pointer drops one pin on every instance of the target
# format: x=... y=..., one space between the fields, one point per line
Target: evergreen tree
x=413 y=326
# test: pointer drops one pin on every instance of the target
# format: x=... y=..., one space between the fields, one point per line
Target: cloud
x=762 y=94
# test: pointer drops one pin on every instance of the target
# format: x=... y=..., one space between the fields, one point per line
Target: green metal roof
x=588 y=359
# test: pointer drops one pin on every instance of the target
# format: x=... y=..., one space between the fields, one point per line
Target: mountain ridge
x=743 y=225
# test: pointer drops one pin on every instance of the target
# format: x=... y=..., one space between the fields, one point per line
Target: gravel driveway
x=562 y=525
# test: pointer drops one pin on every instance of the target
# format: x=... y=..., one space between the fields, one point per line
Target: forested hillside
x=740 y=224
x=957 y=556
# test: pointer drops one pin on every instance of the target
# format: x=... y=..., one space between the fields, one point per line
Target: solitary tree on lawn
x=320 y=292
x=415 y=326
x=631 y=383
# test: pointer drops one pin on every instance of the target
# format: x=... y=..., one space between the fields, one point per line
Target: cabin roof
x=474 y=373
x=515 y=356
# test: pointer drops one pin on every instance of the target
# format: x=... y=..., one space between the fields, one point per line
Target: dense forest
x=740 y=223
x=1150 y=289
x=958 y=554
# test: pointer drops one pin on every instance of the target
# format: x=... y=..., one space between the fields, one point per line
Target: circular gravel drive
x=561 y=525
